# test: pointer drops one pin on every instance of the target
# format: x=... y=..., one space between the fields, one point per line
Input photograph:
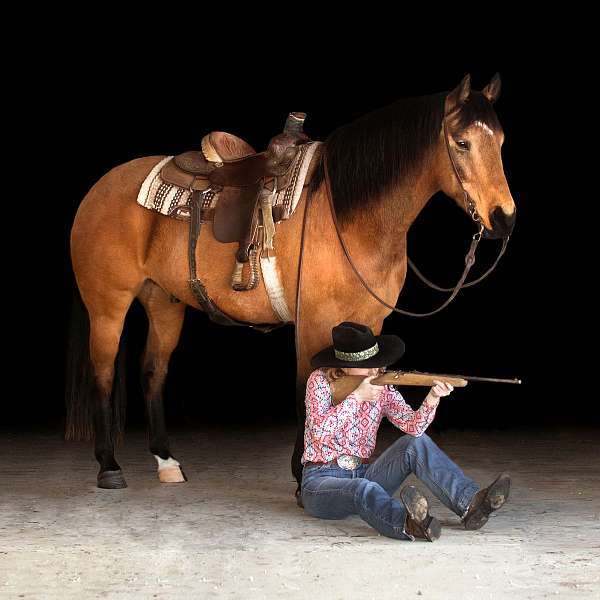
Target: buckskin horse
x=370 y=181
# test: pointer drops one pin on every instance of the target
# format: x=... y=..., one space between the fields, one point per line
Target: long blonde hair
x=333 y=373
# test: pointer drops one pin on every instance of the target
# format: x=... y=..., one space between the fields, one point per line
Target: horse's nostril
x=500 y=220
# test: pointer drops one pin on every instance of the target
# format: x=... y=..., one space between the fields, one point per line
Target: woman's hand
x=437 y=391
x=367 y=391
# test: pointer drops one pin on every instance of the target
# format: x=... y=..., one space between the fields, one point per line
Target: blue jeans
x=330 y=492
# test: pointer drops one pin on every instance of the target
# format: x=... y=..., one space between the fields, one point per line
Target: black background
x=99 y=102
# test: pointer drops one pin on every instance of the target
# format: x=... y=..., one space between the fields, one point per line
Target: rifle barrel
x=468 y=377
x=490 y=379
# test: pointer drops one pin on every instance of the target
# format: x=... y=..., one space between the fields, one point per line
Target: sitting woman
x=339 y=480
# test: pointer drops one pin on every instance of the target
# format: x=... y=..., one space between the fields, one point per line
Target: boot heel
x=433 y=529
x=419 y=522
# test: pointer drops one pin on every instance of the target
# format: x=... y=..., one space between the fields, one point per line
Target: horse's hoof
x=171 y=475
x=111 y=480
x=299 y=498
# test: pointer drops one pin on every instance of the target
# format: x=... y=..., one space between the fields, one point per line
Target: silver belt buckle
x=347 y=461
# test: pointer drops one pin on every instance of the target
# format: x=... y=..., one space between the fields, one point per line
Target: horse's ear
x=459 y=95
x=492 y=90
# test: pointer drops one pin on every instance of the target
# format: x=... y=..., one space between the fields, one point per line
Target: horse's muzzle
x=502 y=224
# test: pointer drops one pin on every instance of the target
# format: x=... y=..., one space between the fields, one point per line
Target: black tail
x=80 y=379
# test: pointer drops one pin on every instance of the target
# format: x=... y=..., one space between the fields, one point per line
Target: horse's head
x=475 y=137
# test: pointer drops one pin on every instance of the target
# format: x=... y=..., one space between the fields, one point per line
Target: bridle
x=469 y=258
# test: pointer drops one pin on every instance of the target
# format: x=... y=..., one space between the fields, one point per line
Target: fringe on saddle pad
x=169 y=200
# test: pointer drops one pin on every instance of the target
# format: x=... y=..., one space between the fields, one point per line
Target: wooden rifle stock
x=344 y=386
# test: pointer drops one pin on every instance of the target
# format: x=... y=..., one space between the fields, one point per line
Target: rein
x=469 y=258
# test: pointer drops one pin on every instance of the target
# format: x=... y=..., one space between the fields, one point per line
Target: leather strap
x=469 y=258
x=309 y=463
x=299 y=280
x=470 y=208
x=214 y=312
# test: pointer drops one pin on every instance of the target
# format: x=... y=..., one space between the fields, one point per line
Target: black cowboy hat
x=354 y=345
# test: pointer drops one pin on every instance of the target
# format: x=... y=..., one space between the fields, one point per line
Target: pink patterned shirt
x=351 y=426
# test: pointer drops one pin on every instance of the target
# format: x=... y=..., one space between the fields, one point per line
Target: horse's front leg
x=299 y=445
x=165 y=323
x=312 y=335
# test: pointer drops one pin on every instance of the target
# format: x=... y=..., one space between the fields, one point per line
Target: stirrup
x=253 y=278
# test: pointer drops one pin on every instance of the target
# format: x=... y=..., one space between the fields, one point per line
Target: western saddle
x=245 y=182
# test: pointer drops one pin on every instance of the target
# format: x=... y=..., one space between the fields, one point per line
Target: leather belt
x=345 y=462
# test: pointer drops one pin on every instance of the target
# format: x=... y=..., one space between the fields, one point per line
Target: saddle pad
x=167 y=199
x=174 y=201
x=288 y=197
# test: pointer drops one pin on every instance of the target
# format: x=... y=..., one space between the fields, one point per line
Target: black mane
x=377 y=151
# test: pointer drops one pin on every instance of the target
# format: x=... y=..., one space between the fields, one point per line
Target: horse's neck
x=384 y=226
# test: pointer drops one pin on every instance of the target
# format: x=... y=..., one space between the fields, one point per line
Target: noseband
x=469 y=258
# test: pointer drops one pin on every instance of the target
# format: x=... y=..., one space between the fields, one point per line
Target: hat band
x=354 y=356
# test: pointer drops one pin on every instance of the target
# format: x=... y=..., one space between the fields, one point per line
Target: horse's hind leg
x=165 y=322
x=106 y=326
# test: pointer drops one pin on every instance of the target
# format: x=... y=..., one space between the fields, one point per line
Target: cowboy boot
x=419 y=523
x=486 y=501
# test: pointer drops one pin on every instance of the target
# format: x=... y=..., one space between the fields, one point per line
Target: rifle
x=345 y=385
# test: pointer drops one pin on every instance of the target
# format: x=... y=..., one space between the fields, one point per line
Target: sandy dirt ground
x=234 y=529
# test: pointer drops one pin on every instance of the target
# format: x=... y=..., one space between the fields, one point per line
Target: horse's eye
x=463 y=144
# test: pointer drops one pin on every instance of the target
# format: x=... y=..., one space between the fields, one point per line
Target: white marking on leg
x=165 y=463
